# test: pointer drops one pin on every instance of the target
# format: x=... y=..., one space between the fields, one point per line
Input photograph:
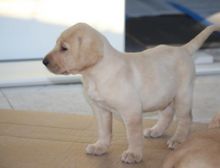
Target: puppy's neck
x=106 y=67
x=111 y=57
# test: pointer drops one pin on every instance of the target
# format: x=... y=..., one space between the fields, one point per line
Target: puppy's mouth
x=64 y=73
x=57 y=70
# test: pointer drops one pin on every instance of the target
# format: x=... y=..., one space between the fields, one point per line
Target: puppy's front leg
x=104 y=119
x=133 y=123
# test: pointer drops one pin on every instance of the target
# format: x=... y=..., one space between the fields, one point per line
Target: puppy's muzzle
x=45 y=61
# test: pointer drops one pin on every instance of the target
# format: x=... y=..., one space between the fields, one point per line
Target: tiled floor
x=52 y=98
x=70 y=98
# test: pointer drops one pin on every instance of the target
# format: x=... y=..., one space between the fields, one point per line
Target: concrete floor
x=70 y=99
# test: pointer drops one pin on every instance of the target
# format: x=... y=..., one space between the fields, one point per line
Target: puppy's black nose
x=45 y=61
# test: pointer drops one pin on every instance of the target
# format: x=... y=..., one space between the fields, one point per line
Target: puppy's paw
x=173 y=142
x=152 y=133
x=96 y=149
x=131 y=157
x=215 y=123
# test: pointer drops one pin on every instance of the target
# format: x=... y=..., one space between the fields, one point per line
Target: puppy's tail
x=193 y=45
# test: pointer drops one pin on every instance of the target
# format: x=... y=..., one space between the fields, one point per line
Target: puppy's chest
x=94 y=93
x=102 y=102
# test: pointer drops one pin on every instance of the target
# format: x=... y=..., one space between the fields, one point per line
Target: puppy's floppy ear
x=91 y=50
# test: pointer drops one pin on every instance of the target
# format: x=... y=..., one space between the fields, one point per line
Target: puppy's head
x=78 y=49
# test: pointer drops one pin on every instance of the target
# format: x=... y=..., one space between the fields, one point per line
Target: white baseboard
x=203 y=58
x=26 y=73
x=208 y=69
x=34 y=73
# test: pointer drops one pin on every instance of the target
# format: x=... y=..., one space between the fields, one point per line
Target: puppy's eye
x=63 y=48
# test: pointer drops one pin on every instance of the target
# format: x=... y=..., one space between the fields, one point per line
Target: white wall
x=29 y=28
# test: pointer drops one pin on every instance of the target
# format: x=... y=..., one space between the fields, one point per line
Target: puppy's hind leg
x=166 y=117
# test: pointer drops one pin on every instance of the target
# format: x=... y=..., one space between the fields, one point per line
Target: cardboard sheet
x=55 y=140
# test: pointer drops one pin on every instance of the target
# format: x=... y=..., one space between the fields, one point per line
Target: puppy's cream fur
x=201 y=150
x=215 y=123
x=128 y=84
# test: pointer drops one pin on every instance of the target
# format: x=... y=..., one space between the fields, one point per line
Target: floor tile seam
x=6 y=98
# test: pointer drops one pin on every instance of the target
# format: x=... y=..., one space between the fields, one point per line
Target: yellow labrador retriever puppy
x=201 y=150
x=128 y=84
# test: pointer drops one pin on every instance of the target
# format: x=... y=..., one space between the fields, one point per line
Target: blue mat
x=190 y=13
